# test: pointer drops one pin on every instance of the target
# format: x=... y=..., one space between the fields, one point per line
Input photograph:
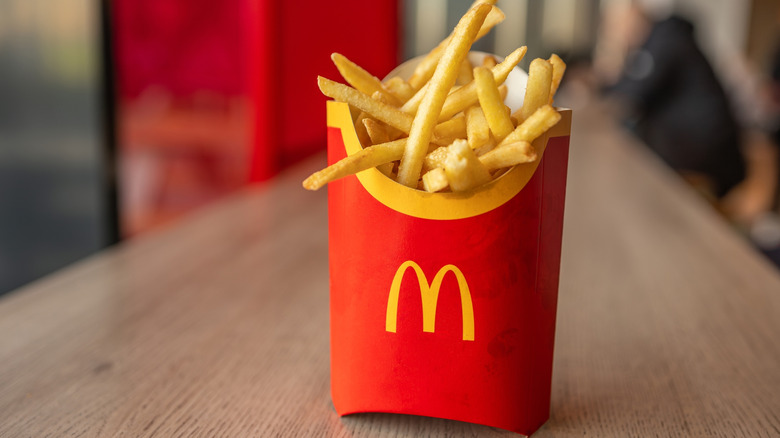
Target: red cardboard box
x=443 y=304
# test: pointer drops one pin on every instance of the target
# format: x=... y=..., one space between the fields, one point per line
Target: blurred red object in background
x=295 y=48
x=214 y=95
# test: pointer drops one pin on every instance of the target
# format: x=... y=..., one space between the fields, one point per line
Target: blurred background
x=120 y=117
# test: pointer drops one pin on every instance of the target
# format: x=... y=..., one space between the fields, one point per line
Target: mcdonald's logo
x=430 y=298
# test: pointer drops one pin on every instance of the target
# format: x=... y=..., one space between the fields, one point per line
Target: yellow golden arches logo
x=430 y=298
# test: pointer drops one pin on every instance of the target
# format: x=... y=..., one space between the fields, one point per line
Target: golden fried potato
x=443 y=79
x=367 y=158
x=559 y=67
x=492 y=104
x=362 y=80
x=537 y=92
x=435 y=180
x=463 y=169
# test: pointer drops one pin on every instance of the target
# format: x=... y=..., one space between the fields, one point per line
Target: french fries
x=380 y=111
x=537 y=124
x=399 y=88
x=477 y=129
x=466 y=95
x=377 y=132
x=360 y=129
x=451 y=129
x=443 y=79
x=367 y=158
x=436 y=158
x=435 y=180
x=509 y=155
x=537 y=92
x=463 y=169
x=489 y=61
x=492 y=104
x=446 y=128
x=465 y=72
x=426 y=67
x=362 y=80
x=558 y=68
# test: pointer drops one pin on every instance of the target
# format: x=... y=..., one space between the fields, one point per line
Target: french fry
x=376 y=131
x=487 y=147
x=424 y=70
x=509 y=155
x=492 y=158
x=367 y=158
x=360 y=79
x=411 y=105
x=534 y=126
x=392 y=133
x=537 y=91
x=443 y=79
x=559 y=67
x=492 y=104
x=446 y=132
x=435 y=180
x=489 y=61
x=463 y=169
x=436 y=158
x=465 y=72
x=360 y=129
x=487 y=2
x=378 y=110
x=383 y=112
x=467 y=94
x=477 y=130
x=399 y=88
x=378 y=134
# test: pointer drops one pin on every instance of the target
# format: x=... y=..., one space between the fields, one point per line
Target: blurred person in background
x=773 y=119
x=764 y=217
x=753 y=206
x=670 y=97
x=724 y=141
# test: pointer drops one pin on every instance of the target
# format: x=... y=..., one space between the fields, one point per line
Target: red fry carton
x=443 y=304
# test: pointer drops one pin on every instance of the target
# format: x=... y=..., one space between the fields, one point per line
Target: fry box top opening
x=447 y=205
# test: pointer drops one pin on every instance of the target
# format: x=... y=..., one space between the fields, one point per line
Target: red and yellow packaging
x=443 y=304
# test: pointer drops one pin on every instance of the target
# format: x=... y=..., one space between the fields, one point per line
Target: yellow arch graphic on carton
x=440 y=206
x=430 y=298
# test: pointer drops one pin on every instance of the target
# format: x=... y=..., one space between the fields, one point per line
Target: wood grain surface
x=217 y=326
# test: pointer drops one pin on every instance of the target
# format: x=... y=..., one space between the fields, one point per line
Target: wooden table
x=668 y=325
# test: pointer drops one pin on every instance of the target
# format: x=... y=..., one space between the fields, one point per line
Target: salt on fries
x=446 y=128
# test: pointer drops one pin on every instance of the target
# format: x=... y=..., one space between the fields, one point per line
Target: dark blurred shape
x=766 y=229
x=57 y=200
x=774 y=94
x=679 y=108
